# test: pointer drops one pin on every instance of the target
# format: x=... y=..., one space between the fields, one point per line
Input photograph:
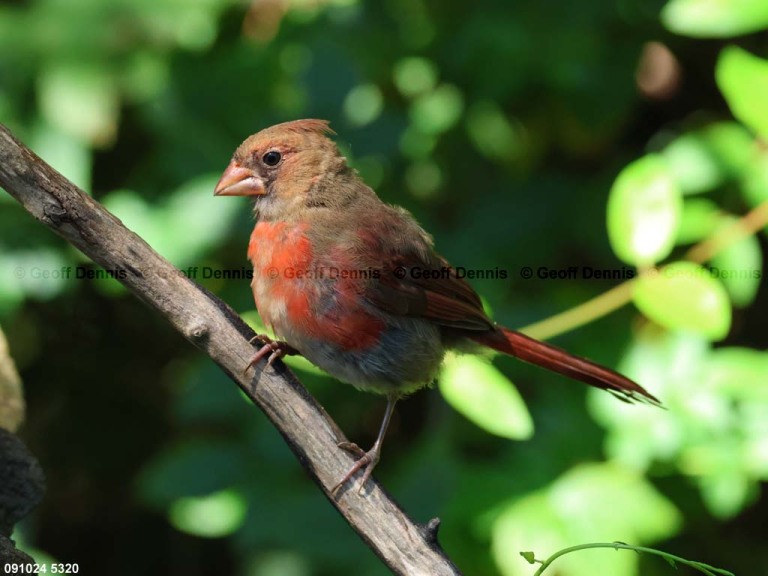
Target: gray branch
x=405 y=546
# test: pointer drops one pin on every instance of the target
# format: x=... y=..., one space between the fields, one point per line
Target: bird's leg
x=367 y=460
x=274 y=348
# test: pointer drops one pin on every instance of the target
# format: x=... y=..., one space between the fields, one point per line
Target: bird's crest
x=307 y=125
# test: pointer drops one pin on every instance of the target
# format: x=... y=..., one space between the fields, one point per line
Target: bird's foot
x=367 y=460
x=273 y=349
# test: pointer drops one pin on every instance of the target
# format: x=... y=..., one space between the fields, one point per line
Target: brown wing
x=414 y=280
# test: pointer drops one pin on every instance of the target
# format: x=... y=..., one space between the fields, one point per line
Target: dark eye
x=271 y=158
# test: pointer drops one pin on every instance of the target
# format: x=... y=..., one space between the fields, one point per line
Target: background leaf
x=743 y=80
x=684 y=296
x=484 y=395
x=584 y=501
x=713 y=19
x=643 y=211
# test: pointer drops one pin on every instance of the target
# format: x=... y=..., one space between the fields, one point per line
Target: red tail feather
x=553 y=358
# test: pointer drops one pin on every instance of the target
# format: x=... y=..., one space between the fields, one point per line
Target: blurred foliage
x=548 y=135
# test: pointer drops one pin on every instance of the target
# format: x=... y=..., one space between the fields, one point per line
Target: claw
x=367 y=460
x=272 y=350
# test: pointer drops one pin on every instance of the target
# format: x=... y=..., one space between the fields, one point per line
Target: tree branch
x=212 y=326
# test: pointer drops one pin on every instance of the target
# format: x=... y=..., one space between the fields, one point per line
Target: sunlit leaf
x=717 y=468
x=529 y=556
x=715 y=18
x=65 y=152
x=740 y=373
x=684 y=296
x=692 y=164
x=731 y=145
x=80 y=99
x=42 y=274
x=191 y=212
x=137 y=215
x=699 y=220
x=588 y=496
x=739 y=266
x=212 y=516
x=581 y=506
x=643 y=211
x=668 y=365
x=194 y=214
x=755 y=182
x=193 y=28
x=727 y=492
x=754 y=426
x=476 y=389
x=743 y=80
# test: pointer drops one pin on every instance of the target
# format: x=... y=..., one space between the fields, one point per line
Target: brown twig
x=207 y=322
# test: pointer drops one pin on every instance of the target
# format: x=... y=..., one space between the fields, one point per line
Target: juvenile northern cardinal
x=337 y=276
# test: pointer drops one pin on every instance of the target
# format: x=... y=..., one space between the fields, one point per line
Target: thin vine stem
x=671 y=558
x=620 y=295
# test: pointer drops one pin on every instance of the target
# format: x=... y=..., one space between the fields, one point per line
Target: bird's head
x=282 y=165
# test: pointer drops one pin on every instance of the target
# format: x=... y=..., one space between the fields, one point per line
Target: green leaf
x=692 y=164
x=529 y=556
x=212 y=516
x=644 y=211
x=663 y=362
x=192 y=207
x=65 y=152
x=80 y=99
x=740 y=267
x=725 y=487
x=743 y=80
x=699 y=220
x=754 y=185
x=42 y=274
x=476 y=389
x=715 y=18
x=582 y=506
x=684 y=296
x=739 y=373
x=731 y=145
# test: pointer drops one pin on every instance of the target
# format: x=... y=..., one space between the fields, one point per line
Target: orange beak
x=239 y=181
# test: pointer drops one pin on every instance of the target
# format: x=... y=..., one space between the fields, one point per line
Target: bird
x=355 y=285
